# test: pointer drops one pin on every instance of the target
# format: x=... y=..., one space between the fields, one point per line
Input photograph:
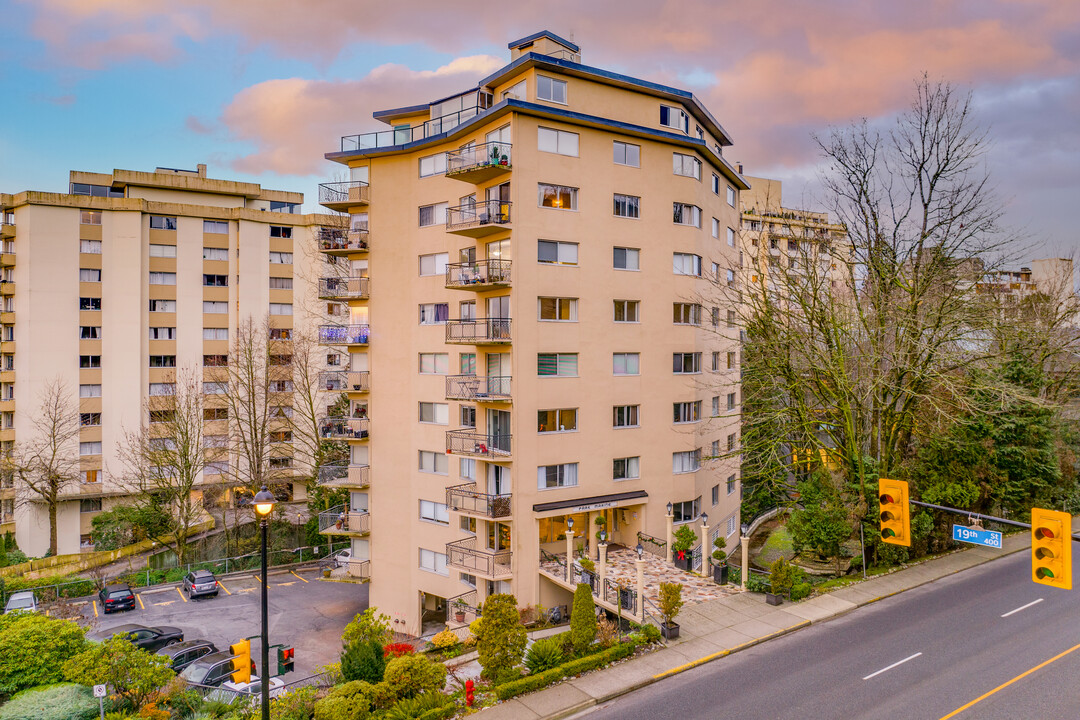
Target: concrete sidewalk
x=714 y=629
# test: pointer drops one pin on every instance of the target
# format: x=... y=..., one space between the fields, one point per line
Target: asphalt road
x=925 y=653
x=304 y=612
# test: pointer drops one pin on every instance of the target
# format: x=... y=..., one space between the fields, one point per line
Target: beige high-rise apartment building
x=540 y=345
x=115 y=287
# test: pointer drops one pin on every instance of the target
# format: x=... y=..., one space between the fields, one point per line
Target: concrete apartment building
x=118 y=285
x=541 y=344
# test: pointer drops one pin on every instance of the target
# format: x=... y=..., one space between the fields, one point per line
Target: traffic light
x=241 y=662
x=895 y=513
x=284 y=660
x=1051 y=548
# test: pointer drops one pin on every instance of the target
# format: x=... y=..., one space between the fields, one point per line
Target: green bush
x=544 y=654
x=413 y=675
x=298 y=704
x=782 y=577
x=416 y=707
x=363 y=660
x=800 y=590
x=33 y=648
x=368 y=625
x=582 y=619
x=756 y=582
x=54 y=702
x=350 y=701
x=670 y=601
x=649 y=633
x=134 y=674
x=574 y=667
x=500 y=637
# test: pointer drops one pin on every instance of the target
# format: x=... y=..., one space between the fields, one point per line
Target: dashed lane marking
x=890 y=667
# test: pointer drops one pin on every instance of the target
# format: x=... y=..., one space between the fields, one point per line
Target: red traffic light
x=287 y=654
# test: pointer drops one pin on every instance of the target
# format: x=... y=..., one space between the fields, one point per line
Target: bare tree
x=313 y=390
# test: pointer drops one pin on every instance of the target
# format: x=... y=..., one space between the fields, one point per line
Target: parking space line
x=181 y=595
x=222 y=586
x=95 y=606
x=297 y=576
x=138 y=596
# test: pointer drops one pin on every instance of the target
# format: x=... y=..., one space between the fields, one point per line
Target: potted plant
x=680 y=547
x=494 y=155
x=779 y=581
x=588 y=570
x=670 y=603
x=719 y=568
x=504 y=160
x=459 y=611
x=601 y=526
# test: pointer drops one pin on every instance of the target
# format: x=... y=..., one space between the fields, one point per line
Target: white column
x=569 y=553
x=640 y=565
x=601 y=566
x=745 y=542
x=705 y=554
x=670 y=535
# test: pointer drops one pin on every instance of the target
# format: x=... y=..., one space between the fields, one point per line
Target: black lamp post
x=264 y=505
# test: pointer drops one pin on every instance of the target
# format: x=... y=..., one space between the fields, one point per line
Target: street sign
x=977 y=536
x=100 y=691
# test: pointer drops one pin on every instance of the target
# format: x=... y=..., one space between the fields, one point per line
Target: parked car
x=150 y=639
x=200 y=583
x=211 y=670
x=230 y=691
x=342 y=557
x=24 y=601
x=116 y=597
x=184 y=653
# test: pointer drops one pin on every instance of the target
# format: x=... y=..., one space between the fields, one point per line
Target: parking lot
x=305 y=612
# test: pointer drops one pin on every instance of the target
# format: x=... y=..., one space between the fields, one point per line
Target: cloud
x=197 y=126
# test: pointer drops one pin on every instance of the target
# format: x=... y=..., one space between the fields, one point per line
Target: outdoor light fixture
x=569 y=523
x=669 y=508
x=745 y=528
x=603 y=536
x=264 y=502
x=640 y=551
x=264 y=505
x=704 y=518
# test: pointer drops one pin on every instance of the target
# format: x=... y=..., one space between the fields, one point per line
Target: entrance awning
x=595 y=502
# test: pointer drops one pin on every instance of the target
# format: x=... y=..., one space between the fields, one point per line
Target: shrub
x=417 y=707
x=683 y=540
x=670 y=601
x=351 y=701
x=296 y=704
x=782 y=576
x=134 y=673
x=544 y=654
x=582 y=619
x=412 y=675
x=55 y=702
x=574 y=667
x=363 y=660
x=368 y=625
x=500 y=637
x=756 y=582
x=718 y=554
x=151 y=711
x=396 y=650
x=607 y=632
x=800 y=590
x=651 y=633
x=33 y=648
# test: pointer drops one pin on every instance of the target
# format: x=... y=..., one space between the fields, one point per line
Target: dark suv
x=200 y=583
x=182 y=654
x=116 y=597
x=211 y=670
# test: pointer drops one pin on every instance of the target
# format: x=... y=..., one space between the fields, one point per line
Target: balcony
x=403 y=136
x=483 y=331
x=340 y=475
x=489 y=564
x=332 y=428
x=342 y=521
x=479 y=163
x=479 y=219
x=465 y=499
x=479 y=275
x=7 y=287
x=339 y=241
x=343 y=334
x=341 y=196
x=345 y=380
x=344 y=288
x=7 y=230
x=473 y=444
x=492 y=388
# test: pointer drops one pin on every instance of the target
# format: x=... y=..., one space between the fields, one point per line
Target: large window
x=685 y=214
x=686 y=314
x=624 y=416
x=433 y=462
x=434 y=313
x=673 y=117
x=687 y=412
x=212 y=253
x=210 y=307
x=687 y=510
x=686 y=264
x=162 y=278
x=686 y=165
x=626 y=259
x=434 y=512
x=433 y=562
x=557 y=141
x=550 y=89
x=90 y=303
x=556 y=253
x=90 y=391
x=686 y=363
x=162 y=222
x=433 y=214
x=210 y=280
x=627 y=206
x=626 y=468
x=165 y=251
x=562 y=420
x=89 y=332
x=281 y=308
x=281 y=283
x=684 y=462
x=162 y=361
x=90 y=247
x=160 y=389
x=434 y=264
x=434 y=363
x=559 y=197
x=437 y=413
x=556 y=476
x=90 y=448
x=433 y=165
x=731 y=196
x=92 y=419
x=559 y=309
x=215 y=227
x=626 y=311
x=731 y=237
x=162 y=333
x=89 y=275
x=282 y=258
x=89 y=361
x=556 y=364
x=280 y=231
x=627 y=154
x=626 y=363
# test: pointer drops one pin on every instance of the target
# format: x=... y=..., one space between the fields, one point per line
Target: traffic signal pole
x=979 y=516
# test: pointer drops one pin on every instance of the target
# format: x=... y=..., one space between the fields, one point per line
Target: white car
x=21 y=601
x=230 y=691
x=342 y=557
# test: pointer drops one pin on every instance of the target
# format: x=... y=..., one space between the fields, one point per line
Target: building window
x=89 y=332
x=730 y=484
x=627 y=206
x=731 y=196
x=550 y=89
x=730 y=360
x=211 y=414
x=215 y=227
x=215 y=280
x=686 y=264
x=716 y=228
x=627 y=154
x=686 y=363
x=731 y=526
x=208 y=307
x=687 y=412
x=626 y=311
x=89 y=448
x=716 y=405
x=684 y=214
x=90 y=419
x=434 y=562
x=215 y=388
x=468 y=416
x=687 y=510
x=731 y=277
x=162 y=361
x=434 y=313
x=89 y=505
x=731 y=401
x=90 y=247
x=160 y=389
x=433 y=165
x=90 y=303
x=89 y=275
x=626 y=259
x=731 y=442
x=556 y=364
x=626 y=363
x=625 y=468
x=281 y=308
x=434 y=264
x=433 y=214
x=281 y=283
x=556 y=476
x=433 y=462
x=624 y=416
x=558 y=309
x=434 y=512
x=90 y=217
x=162 y=222
x=562 y=420
x=163 y=251
x=557 y=141
x=715 y=362
x=686 y=462
x=90 y=391
x=715 y=494
x=686 y=314
x=467 y=363
x=280 y=231
x=210 y=253
x=673 y=117
x=731 y=237
x=282 y=258
x=686 y=165
x=557 y=196
x=731 y=318
x=716 y=183
x=89 y=361
x=437 y=413
x=162 y=333
x=434 y=363
x=162 y=278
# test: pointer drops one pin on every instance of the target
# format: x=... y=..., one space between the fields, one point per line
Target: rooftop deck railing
x=404 y=135
x=494 y=330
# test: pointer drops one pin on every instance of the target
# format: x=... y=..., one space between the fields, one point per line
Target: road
x=925 y=653
x=304 y=612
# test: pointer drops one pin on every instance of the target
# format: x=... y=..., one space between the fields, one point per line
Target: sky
x=259 y=90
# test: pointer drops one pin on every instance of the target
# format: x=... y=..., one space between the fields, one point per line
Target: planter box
x=669 y=632
x=683 y=564
x=773 y=598
x=459 y=616
x=720 y=574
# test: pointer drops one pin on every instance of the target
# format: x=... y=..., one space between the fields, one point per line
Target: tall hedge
x=582 y=619
x=33 y=649
x=500 y=637
x=363 y=660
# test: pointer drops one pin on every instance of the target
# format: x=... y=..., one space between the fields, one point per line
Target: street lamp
x=603 y=536
x=704 y=518
x=640 y=551
x=264 y=505
x=569 y=523
x=669 y=508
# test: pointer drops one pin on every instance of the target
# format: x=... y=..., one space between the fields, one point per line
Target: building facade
x=114 y=288
x=542 y=343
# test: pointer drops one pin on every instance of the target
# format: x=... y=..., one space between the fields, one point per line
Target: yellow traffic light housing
x=1051 y=548
x=895 y=512
x=241 y=662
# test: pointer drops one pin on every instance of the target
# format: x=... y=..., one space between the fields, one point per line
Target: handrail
x=659 y=547
x=489 y=154
x=461 y=498
x=478 y=329
x=404 y=135
x=483 y=212
x=356 y=191
x=478 y=272
x=464 y=554
x=344 y=287
x=343 y=334
x=478 y=387
x=333 y=427
x=467 y=442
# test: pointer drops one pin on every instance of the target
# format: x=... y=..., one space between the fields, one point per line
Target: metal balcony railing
x=332 y=473
x=342 y=475
x=402 y=136
x=343 y=334
x=341 y=520
x=465 y=498
x=356 y=192
x=481 y=330
x=480 y=272
x=359 y=569
x=333 y=380
x=359 y=380
x=470 y=442
x=473 y=387
x=344 y=288
x=335 y=427
x=462 y=554
x=339 y=239
x=495 y=155
x=479 y=214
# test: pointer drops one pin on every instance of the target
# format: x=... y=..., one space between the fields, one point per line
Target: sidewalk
x=716 y=628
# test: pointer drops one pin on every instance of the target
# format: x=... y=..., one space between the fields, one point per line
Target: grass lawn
x=778 y=543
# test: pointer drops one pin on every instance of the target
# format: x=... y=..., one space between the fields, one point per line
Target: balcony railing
x=350 y=192
x=332 y=473
x=359 y=380
x=344 y=288
x=465 y=498
x=481 y=218
x=343 y=334
x=479 y=331
x=472 y=443
x=462 y=554
x=488 y=158
x=360 y=569
x=335 y=427
x=478 y=274
x=473 y=387
x=333 y=380
x=341 y=241
x=340 y=520
x=342 y=475
x=402 y=136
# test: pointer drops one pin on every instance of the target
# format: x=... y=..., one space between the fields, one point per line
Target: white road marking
x=1023 y=607
x=884 y=669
